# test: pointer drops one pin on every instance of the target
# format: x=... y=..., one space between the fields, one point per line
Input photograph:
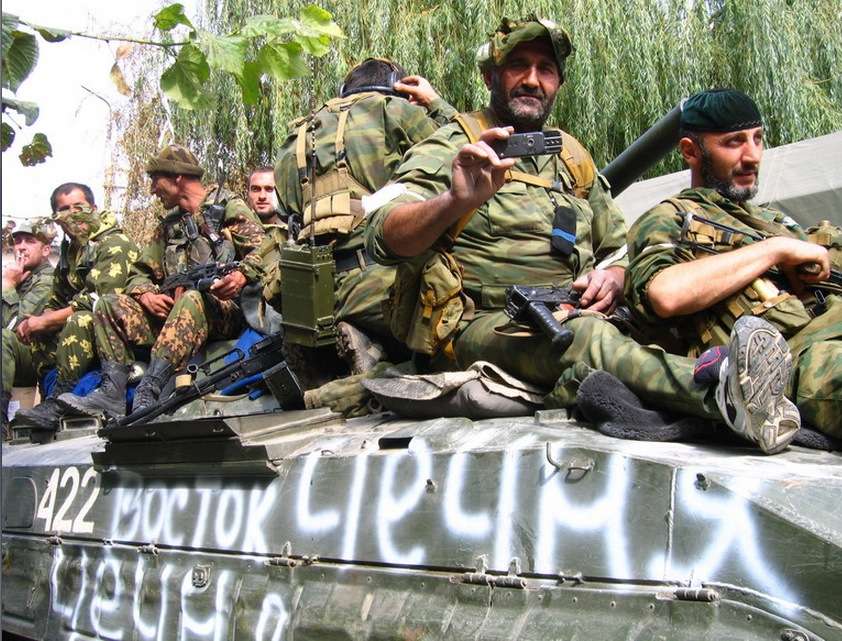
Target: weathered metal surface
x=299 y=525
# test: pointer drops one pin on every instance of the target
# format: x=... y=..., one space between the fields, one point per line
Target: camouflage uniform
x=379 y=130
x=815 y=341
x=122 y=322
x=28 y=299
x=507 y=242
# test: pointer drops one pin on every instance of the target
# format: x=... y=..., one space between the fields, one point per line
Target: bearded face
x=524 y=87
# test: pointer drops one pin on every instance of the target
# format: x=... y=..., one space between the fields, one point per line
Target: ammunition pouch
x=426 y=303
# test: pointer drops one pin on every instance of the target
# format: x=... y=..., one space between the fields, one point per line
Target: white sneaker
x=752 y=380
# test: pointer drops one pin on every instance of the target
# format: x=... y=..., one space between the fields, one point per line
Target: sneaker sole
x=763 y=366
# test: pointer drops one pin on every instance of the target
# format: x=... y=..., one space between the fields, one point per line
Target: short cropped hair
x=66 y=188
x=373 y=72
x=265 y=169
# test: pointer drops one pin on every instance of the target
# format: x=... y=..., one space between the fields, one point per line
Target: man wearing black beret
x=707 y=257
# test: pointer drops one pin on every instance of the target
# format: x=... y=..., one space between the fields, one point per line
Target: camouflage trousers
x=71 y=350
x=360 y=295
x=122 y=324
x=816 y=384
x=663 y=381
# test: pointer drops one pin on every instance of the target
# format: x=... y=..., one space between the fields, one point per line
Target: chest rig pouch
x=427 y=299
x=196 y=240
x=761 y=297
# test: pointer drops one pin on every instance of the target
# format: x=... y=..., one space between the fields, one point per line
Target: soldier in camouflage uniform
x=176 y=326
x=27 y=283
x=696 y=280
x=360 y=138
x=542 y=221
x=263 y=200
x=94 y=261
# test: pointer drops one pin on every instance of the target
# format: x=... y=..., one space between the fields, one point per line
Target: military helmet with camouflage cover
x=175 y=159
x=511 y=33
x=42 y=228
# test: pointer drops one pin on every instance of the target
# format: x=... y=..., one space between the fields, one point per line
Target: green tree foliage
x=633 y=62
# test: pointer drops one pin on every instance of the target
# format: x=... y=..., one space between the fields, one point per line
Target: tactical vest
x=333 y=198
x=211 y=244
x=760 y=298
x=427 y=300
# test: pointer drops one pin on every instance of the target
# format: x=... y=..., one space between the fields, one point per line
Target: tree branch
x=107 y=38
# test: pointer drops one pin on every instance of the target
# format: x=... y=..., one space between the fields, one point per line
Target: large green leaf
x=51 y=34
x=7 y=136
x=29 y=110
x=36 y=151
x=182 y=82
x=283 y=61
x=269 y=27
x=320 y=21
x=10 y=24
x=249 y=82
x=20 y=59
x=171 y=16
x=317 y=30
x=227 y=53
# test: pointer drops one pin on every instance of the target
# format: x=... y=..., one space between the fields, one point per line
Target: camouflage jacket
x=100 y=266
x=379 y=131
x=654 y=244
x=507 y=241
x=170 y=251
x=29 y=298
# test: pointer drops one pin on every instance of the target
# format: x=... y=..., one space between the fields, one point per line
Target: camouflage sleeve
x=407 y=124
x=609 y=226
x=424 y=174
x=114 y=257
x=34 y=301
x=286 y=179
x=441 y=111
x=247 y=236
x=652 y=248
x=148 y=269
x=60 y=292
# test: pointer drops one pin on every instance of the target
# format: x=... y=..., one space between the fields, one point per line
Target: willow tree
x=633 y=61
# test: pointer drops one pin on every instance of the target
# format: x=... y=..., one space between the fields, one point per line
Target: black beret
x=720 y=110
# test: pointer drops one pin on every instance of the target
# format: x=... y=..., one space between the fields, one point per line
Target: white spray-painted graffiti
x=370 y=508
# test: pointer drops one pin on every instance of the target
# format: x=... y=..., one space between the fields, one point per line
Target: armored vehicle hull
x=301 y=525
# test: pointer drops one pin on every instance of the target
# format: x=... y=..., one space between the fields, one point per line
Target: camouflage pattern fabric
x=816 y=343
x=18 y=364
x=29 y=298
x=275 y=235
x=99 y=265
x=664 y=380
x=122 y=322
x=75 y=346
x=507 y=241
x=380 y=130
x=240 y=227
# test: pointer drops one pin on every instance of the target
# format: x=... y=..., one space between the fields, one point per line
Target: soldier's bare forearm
x=687 y=288
x=51 y=320
x=411 y=228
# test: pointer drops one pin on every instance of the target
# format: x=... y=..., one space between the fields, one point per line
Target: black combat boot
x=150 y=386
x=5 y=397
x=107 y=399
x=47 y=413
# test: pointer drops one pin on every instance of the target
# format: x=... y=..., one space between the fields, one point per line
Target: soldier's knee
x=190 y=301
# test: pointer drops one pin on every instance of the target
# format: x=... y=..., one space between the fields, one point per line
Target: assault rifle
x=832 y=285
x=199 y=278
x=265 y=357
x=535 y=305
